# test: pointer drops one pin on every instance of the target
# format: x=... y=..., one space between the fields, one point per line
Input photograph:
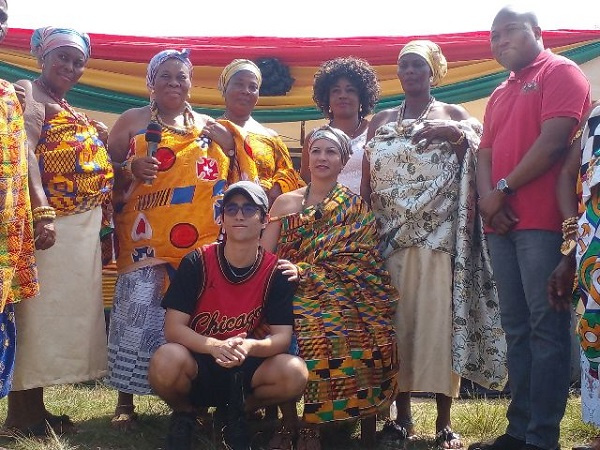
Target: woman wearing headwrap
x=343 y=308
x=62 y=336
x=418 y=175
x=240 y=83
x=166 y=204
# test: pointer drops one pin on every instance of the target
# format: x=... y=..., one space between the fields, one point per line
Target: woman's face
x=344 y=99
x=324 y=159
x=62 y=68
x=241 y=94
x=172 y=84
x=414 y=73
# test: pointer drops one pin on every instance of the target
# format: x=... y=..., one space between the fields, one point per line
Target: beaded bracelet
x=43 y=213
x=569 y=232
x=459 y=141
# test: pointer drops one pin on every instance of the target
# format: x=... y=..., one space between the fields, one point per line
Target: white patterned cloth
x=351 y=174
x=424 y=197
x=136 y=328
x=590 y=394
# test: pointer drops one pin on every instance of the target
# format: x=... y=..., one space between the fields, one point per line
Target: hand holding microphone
x=153 y=137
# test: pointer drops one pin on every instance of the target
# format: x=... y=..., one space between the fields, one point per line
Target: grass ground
x=91 y=407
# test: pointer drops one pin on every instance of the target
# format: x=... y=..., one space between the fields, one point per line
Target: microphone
x=152 y=137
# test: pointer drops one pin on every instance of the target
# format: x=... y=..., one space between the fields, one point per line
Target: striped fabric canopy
x=115 y=76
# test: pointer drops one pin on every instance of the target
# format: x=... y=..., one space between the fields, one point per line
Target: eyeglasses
x=231 y=210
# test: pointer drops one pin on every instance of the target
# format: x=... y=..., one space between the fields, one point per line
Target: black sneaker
x=235 y=432
x=181 y=430
x=504 y=442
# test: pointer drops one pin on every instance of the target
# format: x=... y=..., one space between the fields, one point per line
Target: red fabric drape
x=219 y=51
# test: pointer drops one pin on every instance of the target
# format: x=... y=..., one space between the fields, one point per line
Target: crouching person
x=228 y=327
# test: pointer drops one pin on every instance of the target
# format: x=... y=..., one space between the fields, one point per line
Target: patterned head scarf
x=234 y=67
x=161 y=57
x=46 y=39
x=338 y=137
x=432 y=53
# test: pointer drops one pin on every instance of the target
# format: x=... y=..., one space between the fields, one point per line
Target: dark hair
x=358 y=71
x=276 y=79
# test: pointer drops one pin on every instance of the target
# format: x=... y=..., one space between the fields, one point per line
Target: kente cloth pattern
x=343 y=308
x=181 y=209
x=136 y=328
x=272 y=159
x=18 y=272
x=76 y=171
x=8 y=336
x=425 y=197
x=588 y=242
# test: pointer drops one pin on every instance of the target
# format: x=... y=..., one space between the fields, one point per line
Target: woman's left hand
x=290 y=269
x=442 y=131
x=102 y=130
x=219 y=134
x=44 y=234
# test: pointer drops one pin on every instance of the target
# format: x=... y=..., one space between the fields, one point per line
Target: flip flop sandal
x=446 y=436
x=395 y=431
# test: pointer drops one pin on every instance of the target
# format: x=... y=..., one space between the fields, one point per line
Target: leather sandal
x=444 y=439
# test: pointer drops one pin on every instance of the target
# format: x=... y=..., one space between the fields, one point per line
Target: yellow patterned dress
x=18 y=273
x=62 y=337
x=272 y=159
x=343 y=308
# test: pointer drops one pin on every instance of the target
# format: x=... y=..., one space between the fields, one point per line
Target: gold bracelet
x=459 y=141
x=568 y=246
x=43 y=213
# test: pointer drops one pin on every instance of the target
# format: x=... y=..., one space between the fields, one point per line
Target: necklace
x=188 y=120
x=407 y=131
x=62 y=102
x=318 y=206
x=246 y=273
x=353 y=134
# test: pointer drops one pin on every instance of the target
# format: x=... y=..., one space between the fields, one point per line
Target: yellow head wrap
x=234 y=67
x=432 y=53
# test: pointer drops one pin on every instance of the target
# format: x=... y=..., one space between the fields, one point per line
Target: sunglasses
x=232 y=209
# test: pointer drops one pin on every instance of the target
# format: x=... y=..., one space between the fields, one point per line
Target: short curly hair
x=358 y=71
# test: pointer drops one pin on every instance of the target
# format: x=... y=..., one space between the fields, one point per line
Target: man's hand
x=231 y=352
x=504 y=220
x=560 y=284
x=490 y=204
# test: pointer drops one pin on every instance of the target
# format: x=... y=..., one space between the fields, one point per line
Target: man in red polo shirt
x=224 y=298
x=528 y=123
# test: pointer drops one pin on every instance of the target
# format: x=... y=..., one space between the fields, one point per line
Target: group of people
x=416 y=246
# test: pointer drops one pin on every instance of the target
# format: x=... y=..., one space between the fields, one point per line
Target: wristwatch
x=502 y=185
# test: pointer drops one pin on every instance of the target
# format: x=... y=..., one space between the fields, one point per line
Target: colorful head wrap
x=432 y=53
x=161 y=57
x=234 y=67
x=46 y=39
x=338 y=137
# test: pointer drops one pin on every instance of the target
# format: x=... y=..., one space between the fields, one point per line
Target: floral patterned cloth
x=424 y=197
